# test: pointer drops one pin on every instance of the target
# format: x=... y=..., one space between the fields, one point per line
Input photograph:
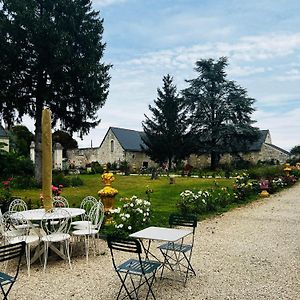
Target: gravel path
x=252 y=252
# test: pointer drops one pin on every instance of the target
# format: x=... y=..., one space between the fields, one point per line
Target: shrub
x=96 y=168
x=76 y=181
x=59 y=178
x=265 y=172
x=132 y=216
x=24 y=182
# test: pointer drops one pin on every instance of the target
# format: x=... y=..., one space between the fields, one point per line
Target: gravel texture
x=251 y=252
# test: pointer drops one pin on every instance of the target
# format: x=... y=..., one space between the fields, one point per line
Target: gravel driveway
x=251 y=252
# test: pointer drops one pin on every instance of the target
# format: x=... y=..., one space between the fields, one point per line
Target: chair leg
x=87 y=246
x=27 y=253
x=68 y=252
x=46 y=246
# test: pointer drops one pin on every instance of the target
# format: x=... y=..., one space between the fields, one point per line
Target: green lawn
x=163 y=198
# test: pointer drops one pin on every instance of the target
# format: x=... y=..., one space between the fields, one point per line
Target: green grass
x=163 y=198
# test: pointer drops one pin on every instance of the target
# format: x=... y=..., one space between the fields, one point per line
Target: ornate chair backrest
x=87 y=203
x=17 y=205
x=14 y=224
x=57 y=221
x=59 y=201
x=96 y=214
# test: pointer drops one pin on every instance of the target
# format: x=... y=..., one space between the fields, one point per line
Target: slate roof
x=3 y=133
x=130 y=140
x=256 y=145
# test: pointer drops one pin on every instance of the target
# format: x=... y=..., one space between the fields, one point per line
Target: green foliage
x=295 y=151
x=59 y=178
x=205 y=201
x=96 y=168
x=24 y=182
x=11 y=165
x=76 y=181
x=220 y=111
x=265 y=172
x=124 y=167
x=65 y=139
x=133 y=215
x=51 y=55
x=166 y=135
x=20 y=139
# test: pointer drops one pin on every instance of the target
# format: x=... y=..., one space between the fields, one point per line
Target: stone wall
x=80 y=157
x=267 y=153
x=110 y=150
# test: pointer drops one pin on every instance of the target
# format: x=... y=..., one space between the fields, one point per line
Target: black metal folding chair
x=178 y=255
x=9 y=252
x=133 y=273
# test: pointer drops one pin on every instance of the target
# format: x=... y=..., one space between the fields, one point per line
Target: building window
x=112 y=146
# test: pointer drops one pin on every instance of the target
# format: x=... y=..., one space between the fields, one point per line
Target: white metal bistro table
x=39 y=214
x=159 y=234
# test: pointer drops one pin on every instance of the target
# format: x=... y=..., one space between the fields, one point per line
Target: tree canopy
x=166 y=135
x=295 y=151
x=50 y=55
x=220 y=111
x=20 y=139
x=65 y=139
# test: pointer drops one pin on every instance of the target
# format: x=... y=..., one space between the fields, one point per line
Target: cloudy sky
x=146 y=39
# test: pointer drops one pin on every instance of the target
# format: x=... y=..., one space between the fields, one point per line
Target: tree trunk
x=214 y=162
x=169 y=165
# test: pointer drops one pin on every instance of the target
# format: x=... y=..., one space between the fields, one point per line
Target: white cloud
x=107 y=2
x=247 y=49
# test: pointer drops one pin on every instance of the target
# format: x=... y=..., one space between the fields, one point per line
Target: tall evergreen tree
x=50 y=55
x=166 y=135
x=220 y=111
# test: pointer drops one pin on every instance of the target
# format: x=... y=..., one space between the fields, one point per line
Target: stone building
x=118 y=145
x=121 y=144
x=4 y=139
x=260 y=150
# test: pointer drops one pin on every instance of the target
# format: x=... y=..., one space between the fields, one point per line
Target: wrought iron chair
x=17 y=220
x=59 y=201
x=56 y=226
x=135 y=268
x=178 y=255
x=17 y=205
x=90 y=227
x=87 y=204
x=9 y=252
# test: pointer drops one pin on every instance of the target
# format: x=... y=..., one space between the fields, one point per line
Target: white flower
x=127 y=216
x=120 y=226
x=129 y=227
x=131 y=205
x=144 y=220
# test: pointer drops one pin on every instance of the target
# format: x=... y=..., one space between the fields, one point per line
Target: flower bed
x=133 y=215
x=244 y=189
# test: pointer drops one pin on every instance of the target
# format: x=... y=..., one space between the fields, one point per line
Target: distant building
x=118 y=145
x=260 y=150
x=121 y=144
x=4 y=139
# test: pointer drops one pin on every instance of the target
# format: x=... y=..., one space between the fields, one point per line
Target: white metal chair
x=91 y=227
x=87 y=204
x=59 y=201
x=17 y=205
x=9 y=230
x=17 y=220
x=56 y=226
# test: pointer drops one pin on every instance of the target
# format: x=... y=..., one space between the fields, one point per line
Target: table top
x=39 y=214
x=161 y=234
